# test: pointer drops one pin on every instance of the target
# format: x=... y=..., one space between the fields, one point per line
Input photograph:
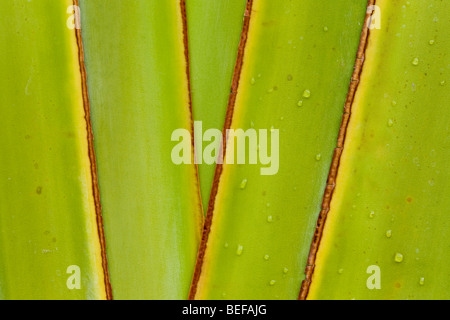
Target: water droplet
x=266 y=257
x=272 y=282
x=290 y=77
x=394 y=103
x=422 y=281
x=307 y=94
x=226 y=245
x=325 y=29
x=270 y=90
x=268 y=205
x=341 y=271
x=243 y=184
x=442 y=83
x=431 y=42
x=372 y=215
x=415 y=62
x=252 y=124
x=398 y=257
x=239 y=250
x=300 y=103
x=285 y=270
x=390 y=123
x=269 y=219
x=253 y=81
x=389 y=233
x=318 y=157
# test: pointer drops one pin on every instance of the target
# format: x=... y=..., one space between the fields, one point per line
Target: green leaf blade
x=390 y=196
x=262 y=225
x=214 y=31
x=47 y=212
x=139 y=95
